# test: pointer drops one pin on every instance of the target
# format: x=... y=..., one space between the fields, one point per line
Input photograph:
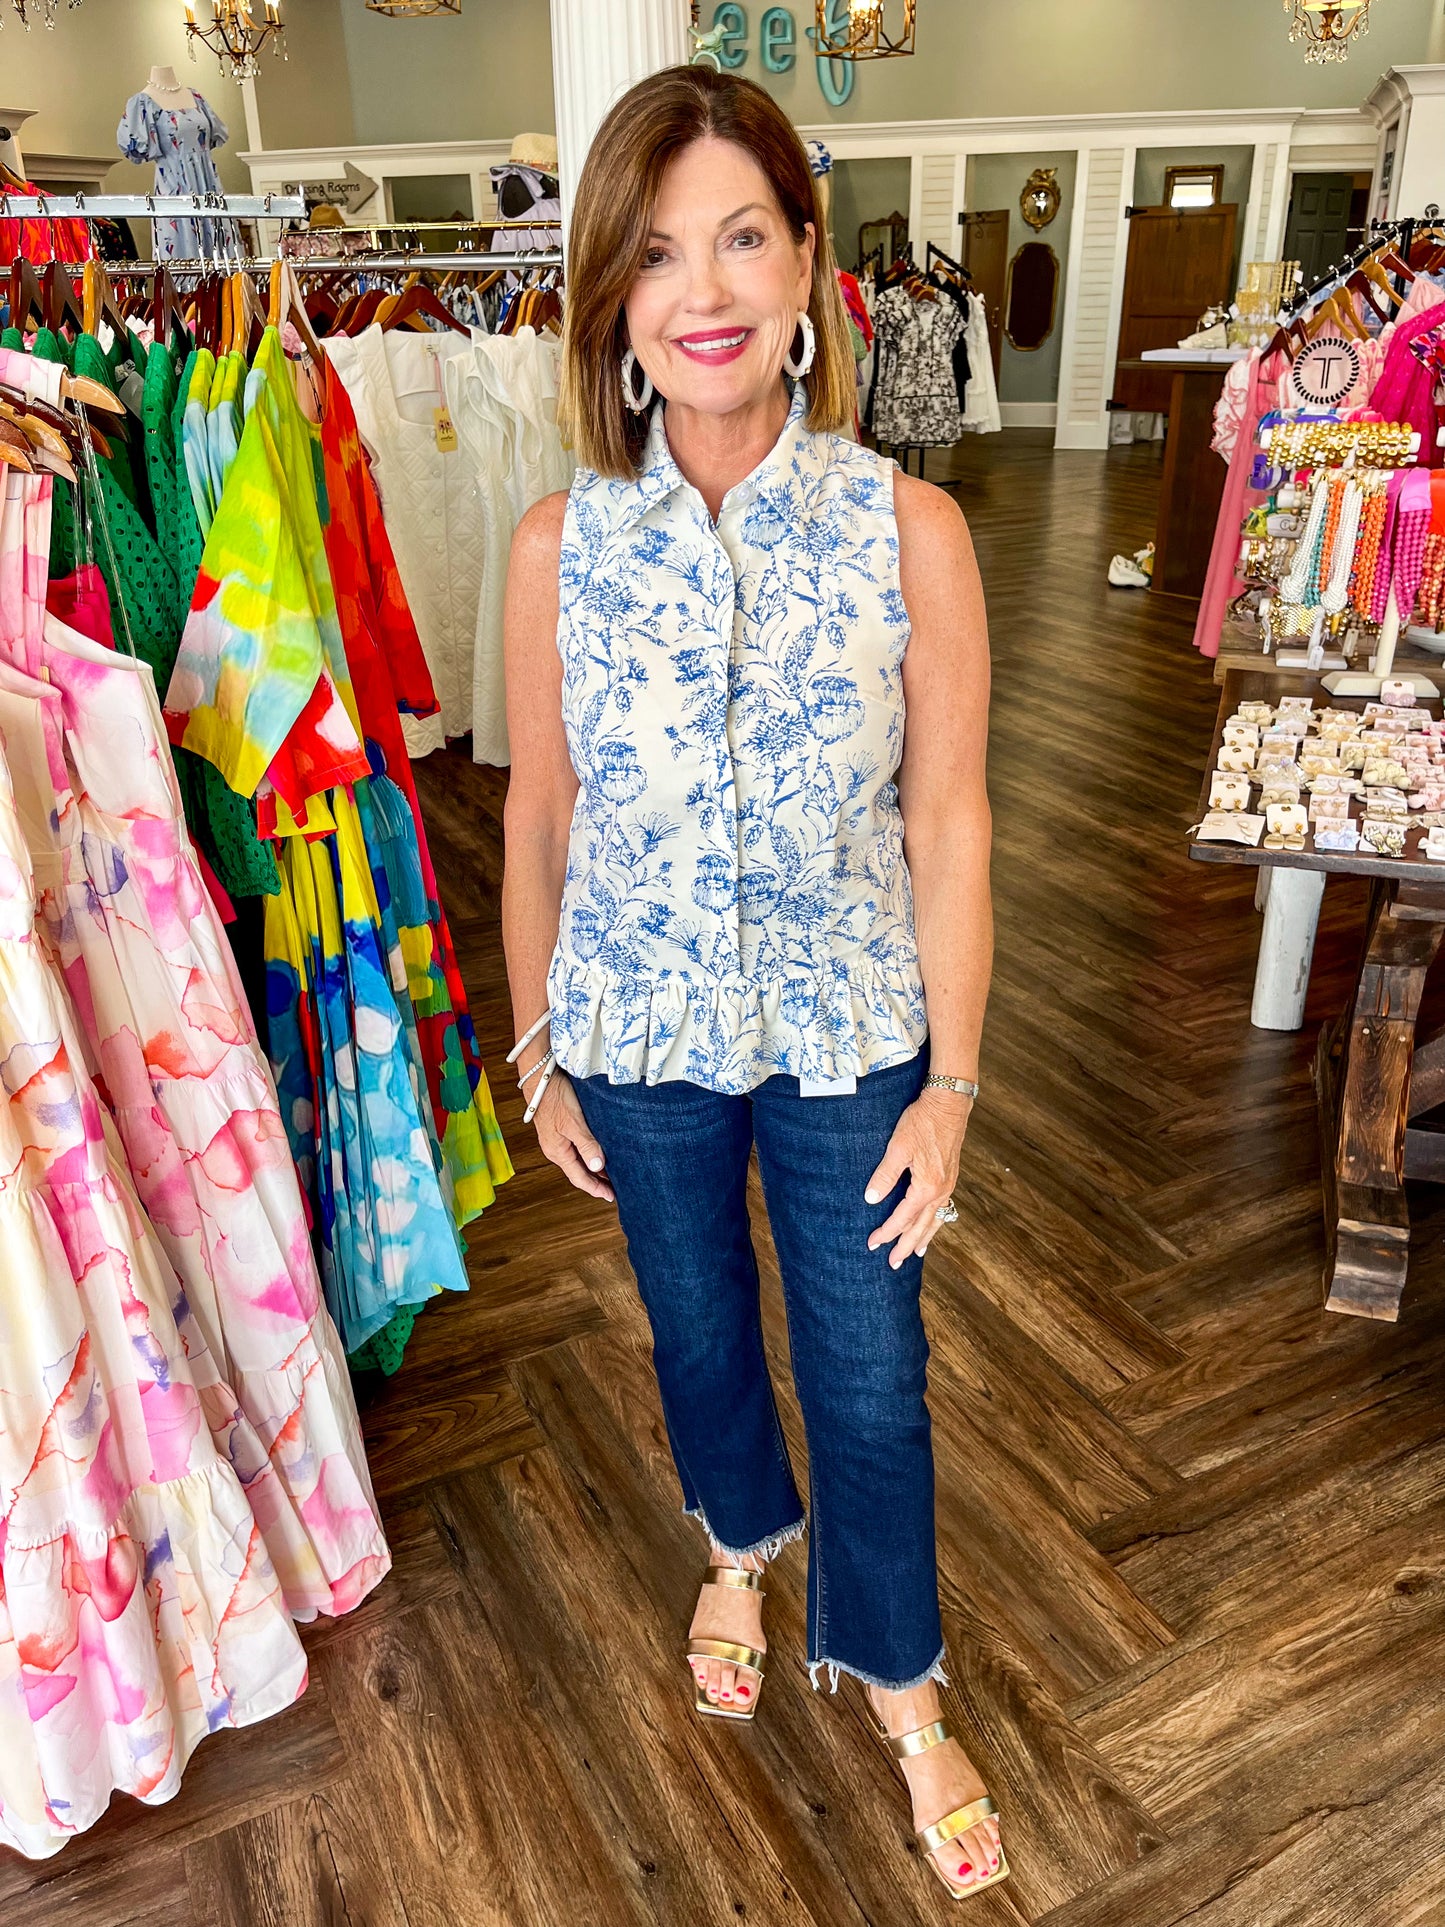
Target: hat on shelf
x=535 y=150
x=324 y=214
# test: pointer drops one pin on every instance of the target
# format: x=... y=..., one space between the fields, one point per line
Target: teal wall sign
x=733 y=20
x=835 y=77
x=777 y=41
x=779 y=36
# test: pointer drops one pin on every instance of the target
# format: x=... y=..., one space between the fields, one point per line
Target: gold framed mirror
x=890 y=233
x=1031 y=296
x=1041 y=197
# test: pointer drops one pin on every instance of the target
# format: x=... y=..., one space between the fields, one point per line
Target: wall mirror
x=1031 y=296
x=1040 y=198
x=890 y=234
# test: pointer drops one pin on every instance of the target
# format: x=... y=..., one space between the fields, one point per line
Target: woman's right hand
x=566 y=1141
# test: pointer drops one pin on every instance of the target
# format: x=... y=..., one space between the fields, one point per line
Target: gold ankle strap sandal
x=904 y=1746
x=725 y=1649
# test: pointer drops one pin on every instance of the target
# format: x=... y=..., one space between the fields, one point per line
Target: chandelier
x=45 y=8
x=867 y=30
x=236 y=33
x=1327 y=28
x=412 y=9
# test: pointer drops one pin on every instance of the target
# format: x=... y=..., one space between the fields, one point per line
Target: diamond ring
x=947 y=1213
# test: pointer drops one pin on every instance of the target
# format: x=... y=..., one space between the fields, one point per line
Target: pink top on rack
x=1262 y=385
x=1405 y=390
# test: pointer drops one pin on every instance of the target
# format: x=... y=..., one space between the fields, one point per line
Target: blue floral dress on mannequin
x=182 y=144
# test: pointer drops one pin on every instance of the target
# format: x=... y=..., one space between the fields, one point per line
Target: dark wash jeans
x=677 y=1157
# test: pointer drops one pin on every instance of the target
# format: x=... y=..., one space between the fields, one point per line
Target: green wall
x=482 y=74
x=487 y=73
x=997 y=180
x=1008 y=57
x=79 y=77
x=868 y=190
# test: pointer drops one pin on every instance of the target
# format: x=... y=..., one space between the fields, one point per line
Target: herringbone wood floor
x=1192 y=1530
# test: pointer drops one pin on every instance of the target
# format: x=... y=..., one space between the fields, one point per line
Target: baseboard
x=1082 y=434
x=1028 y=414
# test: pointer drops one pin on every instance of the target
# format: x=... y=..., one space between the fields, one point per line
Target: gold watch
x=964 y=1086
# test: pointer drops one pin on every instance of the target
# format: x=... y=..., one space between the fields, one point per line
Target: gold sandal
x=902 y=1746
x=724 y=1649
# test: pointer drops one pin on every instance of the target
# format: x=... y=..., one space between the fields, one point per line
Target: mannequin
x=166 y=91
x=179 y=130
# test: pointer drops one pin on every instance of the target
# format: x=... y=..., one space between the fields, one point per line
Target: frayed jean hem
x=835 y=1667
x=765 y=1549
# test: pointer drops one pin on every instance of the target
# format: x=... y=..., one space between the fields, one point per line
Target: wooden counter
x=1194 y=476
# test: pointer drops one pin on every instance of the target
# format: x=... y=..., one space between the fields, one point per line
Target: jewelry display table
x=1375 y=1080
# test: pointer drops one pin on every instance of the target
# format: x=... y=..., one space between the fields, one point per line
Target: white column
x=1286 y=948
x=600 y=48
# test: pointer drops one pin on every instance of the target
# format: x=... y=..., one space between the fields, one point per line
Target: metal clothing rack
x=391 y=261
x=401 y=261
x=1379 y=234
x=152 y=207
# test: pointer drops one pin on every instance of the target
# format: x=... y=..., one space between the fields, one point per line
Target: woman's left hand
x=927 y=1142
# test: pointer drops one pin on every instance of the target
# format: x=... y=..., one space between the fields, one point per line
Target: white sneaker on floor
x=1125 y=573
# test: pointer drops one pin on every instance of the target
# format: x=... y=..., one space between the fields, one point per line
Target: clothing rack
x=402 y=261
x=393 y=261
x=935 y=253
x=151 y=207
x=1381 y=234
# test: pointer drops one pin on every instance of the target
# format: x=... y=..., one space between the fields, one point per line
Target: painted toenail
x=965 y=1868
x=744 y=1691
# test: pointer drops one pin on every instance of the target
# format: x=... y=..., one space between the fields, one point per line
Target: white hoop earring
x=798 y=368
x=629 y=392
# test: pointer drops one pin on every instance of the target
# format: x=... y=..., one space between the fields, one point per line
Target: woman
x=723 y=914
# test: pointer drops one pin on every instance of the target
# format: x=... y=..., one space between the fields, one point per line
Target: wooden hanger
x=98 y=300
x=48 y=449
x=1366 y=287
x=285 y=304
x=206 y=312
x=27 y=302
x=163 y=306
x=248 y=317
x=364 y=313
x=419 y=299
x=14 y=449
x=60 y=300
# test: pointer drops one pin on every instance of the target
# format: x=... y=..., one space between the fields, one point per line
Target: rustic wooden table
x=1374 y=1078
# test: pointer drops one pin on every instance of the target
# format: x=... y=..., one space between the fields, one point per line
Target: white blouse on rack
x=434 y=518
x=503 y=400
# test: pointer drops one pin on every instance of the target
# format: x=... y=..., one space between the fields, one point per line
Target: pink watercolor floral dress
x=181 y=1471
x=139 y=1609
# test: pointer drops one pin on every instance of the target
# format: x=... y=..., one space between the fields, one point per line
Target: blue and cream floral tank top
x=737 y=902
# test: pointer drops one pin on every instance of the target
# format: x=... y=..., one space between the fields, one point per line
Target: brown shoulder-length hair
x=611 y=217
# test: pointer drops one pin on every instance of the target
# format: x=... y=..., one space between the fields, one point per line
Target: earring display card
x=1311 y=765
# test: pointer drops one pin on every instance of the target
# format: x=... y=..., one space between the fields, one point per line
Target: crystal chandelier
x=236 y=32
x=870 y=31
x=45 y=9
x=412 y=9
x=1327 y=28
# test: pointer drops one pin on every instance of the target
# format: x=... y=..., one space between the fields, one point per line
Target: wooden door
x=1181 y=260
x=985 y=255
x=1318 y=230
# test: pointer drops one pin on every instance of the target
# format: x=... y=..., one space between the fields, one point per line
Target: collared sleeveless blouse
x=737 y=901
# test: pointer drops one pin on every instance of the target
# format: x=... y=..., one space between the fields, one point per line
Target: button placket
x=729 y=622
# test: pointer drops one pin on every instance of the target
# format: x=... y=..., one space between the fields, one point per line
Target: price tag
x=446 y=430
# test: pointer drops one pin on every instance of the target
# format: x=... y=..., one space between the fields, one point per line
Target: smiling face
x=716 y=301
